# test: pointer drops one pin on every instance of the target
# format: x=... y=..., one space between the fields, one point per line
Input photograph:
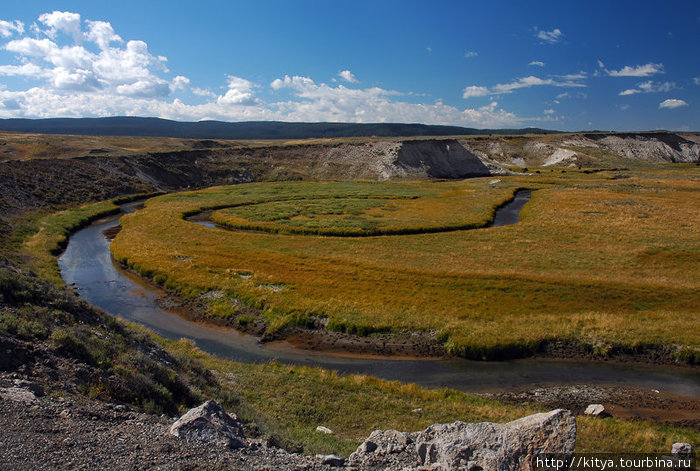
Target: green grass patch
x=44 y=237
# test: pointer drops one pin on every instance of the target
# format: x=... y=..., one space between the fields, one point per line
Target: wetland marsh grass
x=599 y=262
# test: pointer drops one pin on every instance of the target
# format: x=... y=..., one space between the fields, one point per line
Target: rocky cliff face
x=651 y=147
x=442 y=159
x=588 y=150
x=36 y=183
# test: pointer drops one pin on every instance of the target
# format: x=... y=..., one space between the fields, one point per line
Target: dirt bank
x=620 y=402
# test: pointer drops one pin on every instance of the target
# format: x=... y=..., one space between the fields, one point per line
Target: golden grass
x=291 y=402
x=597 y=261
x=288 y=402
x=27 y=146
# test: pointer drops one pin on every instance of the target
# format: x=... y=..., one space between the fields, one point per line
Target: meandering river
x=87 y=266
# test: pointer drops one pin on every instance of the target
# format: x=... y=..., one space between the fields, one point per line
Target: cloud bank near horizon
x=80 y=67
x=65 y=65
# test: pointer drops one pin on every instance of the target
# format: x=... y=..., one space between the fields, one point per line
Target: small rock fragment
x=17 y=395
x=682 y=450
x=418 y=410
x=30 y=386
x=384 y=442
x=323 y=429
x=596 y=410
x=331 y=460
x=210 y=423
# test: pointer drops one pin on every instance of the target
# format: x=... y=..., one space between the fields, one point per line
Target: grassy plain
x=28 y=146
x=601 y=260
x=281 y=402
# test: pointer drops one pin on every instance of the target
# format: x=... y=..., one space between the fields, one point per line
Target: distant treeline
x=134 y=126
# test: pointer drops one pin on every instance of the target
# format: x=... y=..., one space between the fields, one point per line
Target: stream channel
x=87 y=266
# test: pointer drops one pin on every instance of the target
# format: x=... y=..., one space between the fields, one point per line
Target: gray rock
x=331 y=460
x=384 y=442
x=210 y=423
x=511 y=446
x=17 y=395
x=323 y=429
x=682 y=450
x=487 y=446
x=596 y=410
x=386 y=449
x=30 y=386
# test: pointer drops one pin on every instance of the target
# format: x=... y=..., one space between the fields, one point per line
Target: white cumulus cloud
x=129 y=70
x=297 y=82
x=533 y=81
x=629 y=91
x=347 y=76
x=80 y=80
x=40 y=48
x=29 y=70
x=551 y=37
x=672 y=103
x=78 y=67
x=8 y=28
x=180 y=83
x=63 y=21
x=650 y=87
x=203 y=92
x=537 y=63
x=475 y=90
x=240 y=92
x=571 y=80
x=102 y=33
x=147 y=87
x=637 y=71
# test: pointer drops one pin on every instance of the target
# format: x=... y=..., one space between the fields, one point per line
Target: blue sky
x=567 y=65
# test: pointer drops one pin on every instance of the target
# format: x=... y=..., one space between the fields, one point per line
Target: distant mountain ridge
x=157 y=127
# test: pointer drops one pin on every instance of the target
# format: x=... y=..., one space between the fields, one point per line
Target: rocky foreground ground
x=72 y=432
x=41 y=432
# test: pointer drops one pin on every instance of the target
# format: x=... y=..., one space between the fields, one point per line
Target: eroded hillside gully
x=87 y=266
